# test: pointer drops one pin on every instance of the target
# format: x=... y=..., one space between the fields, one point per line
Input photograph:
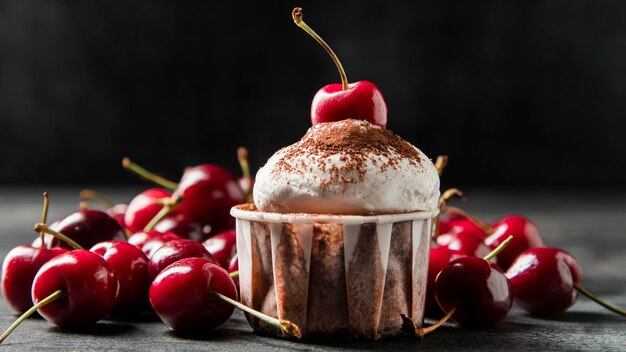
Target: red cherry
x=87 y=227
x=181 y=295
x=118 y=212
x=361 y=101
x=466 y=242
x=525 y=236
x=131 y=268
x=439 y=258
x=18 y=271
x=155 y=242
x=184 y=226
x=144 y=207
x=458 y=225
x=477 y=288
x=88 y=284
x=173 y=251
x=208 y=192
x=222 y=246
x=543 y=280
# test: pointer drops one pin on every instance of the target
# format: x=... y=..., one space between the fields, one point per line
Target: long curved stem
x=598 y=300
x=242 y=157
x=44 y=217
x=427 y=330
x=53 y=297
x=284 y=325
x=440 y=164
x=89 y=194
x=296 y=14
x=163 y=182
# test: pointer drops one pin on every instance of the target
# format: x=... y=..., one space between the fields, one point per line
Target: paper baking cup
x=338 y=277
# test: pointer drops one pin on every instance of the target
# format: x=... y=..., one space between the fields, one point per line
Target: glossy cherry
x=173 y=251
x=222 y=246
x=118 y=212
x=459 y=225
x=87 y=227
x=89 y=286
x=543 y=280
x=208 y=192
x=181 y=295
x=465 y=242
x=131 y=268
x=184 y=226
x=156 y=242
x=478 y=289
x=361 y=100
x=144 y=207
x=20 y=266
x=525 y=235
x=18 y=271
x=439 y=258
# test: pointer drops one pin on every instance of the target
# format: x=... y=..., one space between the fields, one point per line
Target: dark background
x=518 y=93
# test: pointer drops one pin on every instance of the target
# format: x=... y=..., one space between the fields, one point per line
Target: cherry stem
x=284 y=325
x=598 y=300
x=296 y=14
x=150 y=176
x=440 y=164
x=498 y=249
x=53 y=297
x=44 y=217
x=242 y=156
x=427 y=330
x=89 y=194
x=169 y=205
x=234 y=274
x=43 y=228
x=447 y=195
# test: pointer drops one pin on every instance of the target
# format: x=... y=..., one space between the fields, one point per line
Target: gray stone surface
x=590 y=226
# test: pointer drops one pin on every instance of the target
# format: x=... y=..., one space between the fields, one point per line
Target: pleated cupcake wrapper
x=337 y=277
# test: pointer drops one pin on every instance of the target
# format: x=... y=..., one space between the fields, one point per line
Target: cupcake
x=337 y=239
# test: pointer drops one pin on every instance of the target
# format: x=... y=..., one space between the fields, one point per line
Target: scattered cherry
x=209 y=192
x=144 y=207
x=20 y=266
x=222 y=246
x=546 y=281
x=173 y=251
x=465 y=242
x=86 y=227
x=525 y=235
x=155 y=242
x=131 y=268
x=72 y=290
x=184 y=226
x=339 y=101
x=477 y=288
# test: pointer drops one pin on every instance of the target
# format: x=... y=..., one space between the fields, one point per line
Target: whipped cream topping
x=347 y=167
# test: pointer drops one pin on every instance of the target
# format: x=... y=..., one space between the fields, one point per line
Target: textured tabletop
x=590 y=226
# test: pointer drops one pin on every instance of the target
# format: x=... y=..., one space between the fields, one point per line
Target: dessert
x=337 y=239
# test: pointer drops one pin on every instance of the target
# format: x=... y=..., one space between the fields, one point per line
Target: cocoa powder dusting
x=355 y=142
